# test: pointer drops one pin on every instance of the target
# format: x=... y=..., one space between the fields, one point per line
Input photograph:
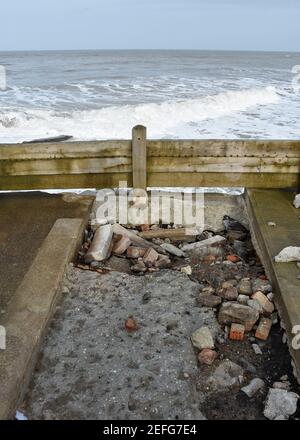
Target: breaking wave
x=189 y=118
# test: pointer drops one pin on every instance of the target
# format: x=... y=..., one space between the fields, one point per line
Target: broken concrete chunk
x=288 y=254
x=100 y=247
x=280 y=403
x=121 y=245
x=212 y=241
x=245 y=287
x=150 y=257
x=267 y=306
x=226 y=375
x=296 y=202
x=228 y=291
x=253 y=387
x=173 y=250
x=233 y=312
x=135 y=252
x=202 y=338
x=207 y=356
x=263 y=329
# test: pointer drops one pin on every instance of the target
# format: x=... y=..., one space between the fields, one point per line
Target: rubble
x=207 y=356
x=187 y=270
x=99 y=249
x=171 y=249
x=280 y=403
x=121 y=245
x=237 y=332
x=253 y=387
x=245 y=287
x=216 y=240
x=202 y=338
x=266 y=305
x=256 y=349
x=226 y=375
x=263 y=329
x=228 y=291
x=233 y=312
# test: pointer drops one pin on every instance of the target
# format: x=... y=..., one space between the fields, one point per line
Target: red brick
x=237 y=332
x=263 y=329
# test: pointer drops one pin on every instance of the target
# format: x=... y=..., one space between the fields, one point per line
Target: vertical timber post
x=139 y=157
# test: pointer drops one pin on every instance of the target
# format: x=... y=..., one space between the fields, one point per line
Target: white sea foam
x=209 y=116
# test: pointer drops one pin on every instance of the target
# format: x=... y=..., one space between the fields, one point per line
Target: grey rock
x=243 y=299
x=256 y=349
x=226 y=375
x=263 y=286
x=233 y=312
x=202 y=338
x=280 y=403
x=213 y=241
x=173 y=250
x=245 y=286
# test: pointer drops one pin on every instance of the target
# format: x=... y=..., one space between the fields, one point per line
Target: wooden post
x=139 y=157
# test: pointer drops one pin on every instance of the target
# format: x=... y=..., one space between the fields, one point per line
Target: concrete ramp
x=276 y=206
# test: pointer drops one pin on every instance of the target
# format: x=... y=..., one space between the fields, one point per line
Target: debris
x=280 y=403
x=187 y=270
x=271 y=224
x=262 y=285
x=202 y=338
x=255 y=305
x=267 y=306
x=253 y=387
x=162 y=262
x=120 y=230
x=237 y=332
x=256 y=349
x=233 y=312
x=296 y=202
x=216 y=240
x=131 y=324
x=209 y=300
x=226 y=375
x=139 y=267
x=263 y=329
x=233 y=225
x=135 y=252
x=145 y=228
x=150 y=257
x=173 y=250
x=233 y=258
x=228 y=291
x=207 y=356
x=243 y=299
x=288 y=254
x=245 y=286
x=121 y=245
x=100 y=247
x=281 y=386
x=175 y=234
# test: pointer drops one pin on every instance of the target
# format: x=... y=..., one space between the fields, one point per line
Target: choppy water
x=176 y=94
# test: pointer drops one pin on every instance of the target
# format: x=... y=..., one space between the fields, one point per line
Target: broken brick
x=150 y=257
x=131 y=324
x=233 y=258
x=121 y=245
x=267 y=306
x=237 y=332
x=135 y=252
x=207 y=356
x=263 y=329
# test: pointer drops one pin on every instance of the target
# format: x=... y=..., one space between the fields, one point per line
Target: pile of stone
x=148 y=248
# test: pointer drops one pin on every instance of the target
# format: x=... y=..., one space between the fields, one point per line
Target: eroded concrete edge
x=31 y=308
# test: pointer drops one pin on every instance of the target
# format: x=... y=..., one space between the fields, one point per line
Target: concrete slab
x=25 y=221
x=28 y=313
x=276 y=206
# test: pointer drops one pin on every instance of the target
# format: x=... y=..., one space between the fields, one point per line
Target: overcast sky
x=150 y=24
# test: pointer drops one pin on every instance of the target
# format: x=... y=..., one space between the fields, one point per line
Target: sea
x=176 y=94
